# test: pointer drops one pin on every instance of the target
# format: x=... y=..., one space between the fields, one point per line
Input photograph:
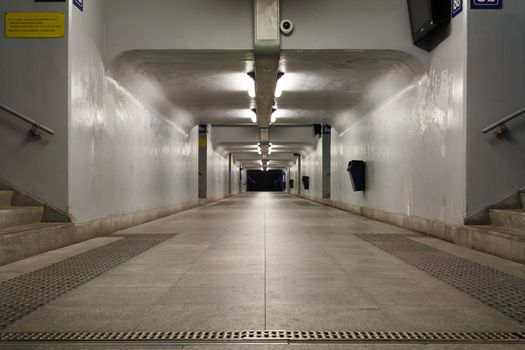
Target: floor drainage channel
x=499 y=290
x=265 y=336
x=24 y=294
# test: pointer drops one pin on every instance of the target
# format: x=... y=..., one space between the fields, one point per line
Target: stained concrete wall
x=293 y=174
x=413 y=139
x=125 y=156
x=217 y=179
x=34 y=81
x=236 y=180
x=496 y=88
x=312 y=166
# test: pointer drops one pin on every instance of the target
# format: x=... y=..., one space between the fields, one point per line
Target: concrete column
x=203 y=161
x=288 y=172
x=299 y=180
x=327 y=150
x=230 y=174
x=240 y=179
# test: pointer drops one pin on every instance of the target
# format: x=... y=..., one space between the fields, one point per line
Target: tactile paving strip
x=24 y=294
x=499 y=290
x=267 y=336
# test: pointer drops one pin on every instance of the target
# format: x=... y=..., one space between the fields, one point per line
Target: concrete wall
x=496 y=87
x=217 y=179
x=34 y=81
x=293 y=175
x=413 y=140
x=125 y=156
x=236 y=181
x=312 y=166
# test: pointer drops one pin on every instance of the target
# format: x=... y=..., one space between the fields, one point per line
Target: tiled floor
x=265 y=261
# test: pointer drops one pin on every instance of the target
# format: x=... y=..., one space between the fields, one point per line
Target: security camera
x=286 y=26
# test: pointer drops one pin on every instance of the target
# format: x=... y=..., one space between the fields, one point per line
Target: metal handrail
x=35 y=126
x=500 y=128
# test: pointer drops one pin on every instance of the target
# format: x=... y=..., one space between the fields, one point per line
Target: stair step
x=30 y=227
x=511 y=218
x=22 y=241
x=6 y=197
x=15 y=216
x=501 y=231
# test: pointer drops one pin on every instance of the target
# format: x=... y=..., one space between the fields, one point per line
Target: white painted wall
x=217 y=180
x=236 y=180
x=293 y=175
x=312 y=166
x=244 y=173
x=496 y=88
x=34 y=81
x=413 y=140
x=125 y=157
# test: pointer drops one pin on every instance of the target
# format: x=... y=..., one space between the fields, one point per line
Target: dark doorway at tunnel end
x=266 y=181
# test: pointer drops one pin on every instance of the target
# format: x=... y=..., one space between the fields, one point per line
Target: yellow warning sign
x=202 y=143
x=34 y=25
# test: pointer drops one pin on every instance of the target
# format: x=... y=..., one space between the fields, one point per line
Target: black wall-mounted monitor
x=428 y=16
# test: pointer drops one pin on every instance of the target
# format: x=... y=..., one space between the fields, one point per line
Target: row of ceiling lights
x=278 y=93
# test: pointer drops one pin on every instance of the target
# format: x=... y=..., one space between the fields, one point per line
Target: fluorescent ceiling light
x=278 y=90
x=279 y=85
x=250 y=82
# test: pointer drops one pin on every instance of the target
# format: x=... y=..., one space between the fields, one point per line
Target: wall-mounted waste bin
x=306 y=182
x=356 y=168
x=291 y=183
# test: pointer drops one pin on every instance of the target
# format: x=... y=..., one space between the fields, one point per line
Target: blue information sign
x=457 y=7
x=486 y=4
x=79 y=4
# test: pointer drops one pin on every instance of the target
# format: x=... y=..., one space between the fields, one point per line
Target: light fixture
x=273 y=117
x=251 y=84
x=279 y=85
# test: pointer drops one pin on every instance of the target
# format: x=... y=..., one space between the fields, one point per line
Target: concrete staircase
x=507 y=229
x=510 y=218
x=26 y=225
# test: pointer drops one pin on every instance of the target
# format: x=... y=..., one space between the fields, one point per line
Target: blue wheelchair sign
x=79 y=4
x=457 y=7
x=486 y=4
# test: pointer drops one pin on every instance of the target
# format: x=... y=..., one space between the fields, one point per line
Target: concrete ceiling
x=211 y=87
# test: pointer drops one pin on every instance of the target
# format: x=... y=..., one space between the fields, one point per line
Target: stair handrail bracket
x=36 y=127
x=499 y=128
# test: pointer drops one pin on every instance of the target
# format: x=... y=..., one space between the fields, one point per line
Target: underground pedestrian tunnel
x=266 y=174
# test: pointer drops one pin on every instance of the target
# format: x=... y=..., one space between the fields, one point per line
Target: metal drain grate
x=503 y=292
x=266 y=336
x=24 y=294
